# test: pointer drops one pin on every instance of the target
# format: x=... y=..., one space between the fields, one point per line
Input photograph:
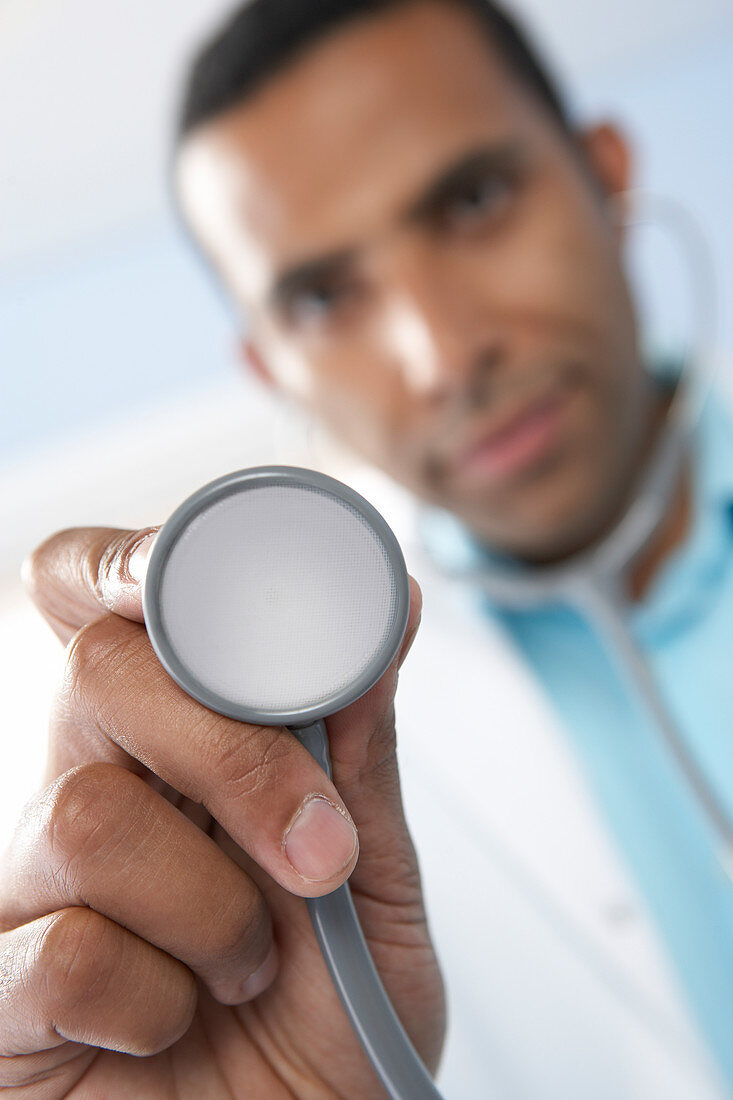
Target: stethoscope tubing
x=604 y=609
x=355 y=977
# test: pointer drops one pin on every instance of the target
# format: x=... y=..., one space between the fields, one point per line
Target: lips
x=519 y=442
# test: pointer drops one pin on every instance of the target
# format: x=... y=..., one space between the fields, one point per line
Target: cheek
x=557 y=282
x=346 y=385
x=286 y=365
x=555 y=271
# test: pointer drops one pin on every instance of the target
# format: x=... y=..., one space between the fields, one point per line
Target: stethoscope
x=278 y=596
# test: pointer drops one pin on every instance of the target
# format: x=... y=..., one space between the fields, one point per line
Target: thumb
x=385 y=883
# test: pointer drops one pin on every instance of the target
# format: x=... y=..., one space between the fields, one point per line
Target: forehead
x=329 y=150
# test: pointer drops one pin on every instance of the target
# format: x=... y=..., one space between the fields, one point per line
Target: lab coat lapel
x=506 y=758
x=473 y=720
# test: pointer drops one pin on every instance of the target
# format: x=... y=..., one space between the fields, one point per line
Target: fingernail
x=321 y=841
x=121 y=577
x=263 y=976
x=138 y=560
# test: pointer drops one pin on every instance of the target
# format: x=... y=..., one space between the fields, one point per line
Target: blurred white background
x=119 y=387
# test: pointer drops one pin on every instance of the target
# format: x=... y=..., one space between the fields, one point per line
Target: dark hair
x=262 y=36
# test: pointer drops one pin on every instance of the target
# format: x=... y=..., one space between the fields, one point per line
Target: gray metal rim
x=227 y=486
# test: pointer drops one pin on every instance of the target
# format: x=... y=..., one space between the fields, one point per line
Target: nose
x=436 y=333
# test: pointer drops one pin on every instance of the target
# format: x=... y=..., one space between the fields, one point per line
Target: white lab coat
x=558 y=985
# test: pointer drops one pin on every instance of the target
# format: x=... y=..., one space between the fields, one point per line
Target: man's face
x=428 y=265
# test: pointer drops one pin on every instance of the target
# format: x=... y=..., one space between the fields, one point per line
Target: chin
x=548 y=523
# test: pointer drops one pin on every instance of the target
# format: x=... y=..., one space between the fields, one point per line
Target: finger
x=76 y=975
x=363 y=744
x=77 y=574
x=261 y=785
x=413 y=624
x=362 y=735
x=101 y=837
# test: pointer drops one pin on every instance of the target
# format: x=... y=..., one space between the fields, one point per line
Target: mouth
x=515 y=445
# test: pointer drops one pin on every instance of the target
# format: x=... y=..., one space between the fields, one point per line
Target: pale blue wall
x=116 y=326
x=128 y=319
x=679 y=111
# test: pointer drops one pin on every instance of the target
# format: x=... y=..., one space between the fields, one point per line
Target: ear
x=608 y=153
x=252 y=360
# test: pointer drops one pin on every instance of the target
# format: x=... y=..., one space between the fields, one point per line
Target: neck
x=670 y=535
x=675 y=522
x=671 y=531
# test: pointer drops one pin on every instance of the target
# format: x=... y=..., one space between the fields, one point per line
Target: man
x=428 y=257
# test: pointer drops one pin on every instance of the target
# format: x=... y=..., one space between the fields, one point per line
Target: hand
x=154 y=940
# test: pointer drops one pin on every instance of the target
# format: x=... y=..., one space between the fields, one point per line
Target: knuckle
x=83 y=655
x=98 y=657
x=75 y=956
x=241 y=930
x=163 y=1032
x=89 y=647
x=177 y=997
x=38 y=566
x=84 y=806
x=88 y=969
x=242 y=761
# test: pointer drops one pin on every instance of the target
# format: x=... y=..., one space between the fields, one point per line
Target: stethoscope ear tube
x=592 y=582
x=603 y=608
x=355 y=976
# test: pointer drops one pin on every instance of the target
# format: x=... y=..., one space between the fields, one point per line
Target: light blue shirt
x=685 y=627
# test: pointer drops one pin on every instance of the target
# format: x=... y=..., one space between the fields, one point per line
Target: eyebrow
x=503 y=159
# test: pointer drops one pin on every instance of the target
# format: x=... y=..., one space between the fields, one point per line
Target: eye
x=320 y=300
x=475 y=200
